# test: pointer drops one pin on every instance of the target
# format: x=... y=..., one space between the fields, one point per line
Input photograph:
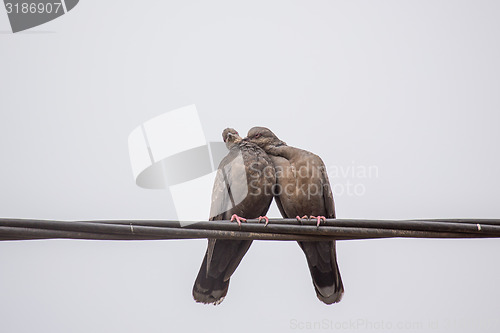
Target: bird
x=242 y=189
x=302 y=190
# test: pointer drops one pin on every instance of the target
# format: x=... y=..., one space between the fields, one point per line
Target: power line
x=277 y=229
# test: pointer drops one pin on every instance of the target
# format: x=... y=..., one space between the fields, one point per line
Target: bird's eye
x=257 y=135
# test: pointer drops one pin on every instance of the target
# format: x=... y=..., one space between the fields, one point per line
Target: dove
x=302 y=190
x=243 y=189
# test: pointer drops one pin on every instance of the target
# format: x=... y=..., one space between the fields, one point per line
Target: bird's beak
x=245 y=138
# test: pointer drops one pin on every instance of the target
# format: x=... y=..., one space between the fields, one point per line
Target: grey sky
x=410 y=87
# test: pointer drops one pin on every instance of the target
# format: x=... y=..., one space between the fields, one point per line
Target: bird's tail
x=322 y=260
x=220 y=262
x=208 y=289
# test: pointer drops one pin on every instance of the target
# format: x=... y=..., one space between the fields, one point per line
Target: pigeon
x=303 y=189
x=243 y=188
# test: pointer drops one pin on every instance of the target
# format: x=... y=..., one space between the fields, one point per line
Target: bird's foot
x=319 y=218
x=265 y=219
x=238 y=219
x=301 y=218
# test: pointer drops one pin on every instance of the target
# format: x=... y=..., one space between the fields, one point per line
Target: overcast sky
x=406 y=89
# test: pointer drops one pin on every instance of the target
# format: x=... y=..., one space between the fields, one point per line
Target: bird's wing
x=280 y=164
x=222 y=199
x=327 y=194
x=220 y=196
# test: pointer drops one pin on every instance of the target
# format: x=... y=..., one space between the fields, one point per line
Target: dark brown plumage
x=243 y=186
x=302 y=189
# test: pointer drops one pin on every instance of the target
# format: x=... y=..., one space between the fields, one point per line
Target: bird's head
x=263 y=137
x=231 y=137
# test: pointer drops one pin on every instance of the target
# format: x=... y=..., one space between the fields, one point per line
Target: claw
x=238 y=219
x=319 y=218
x=265 y=219
x=301 y=218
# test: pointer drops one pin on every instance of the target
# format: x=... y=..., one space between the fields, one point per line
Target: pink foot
x=301 y=218
x=319 y=218
x=238 y=219
x=265 y=219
